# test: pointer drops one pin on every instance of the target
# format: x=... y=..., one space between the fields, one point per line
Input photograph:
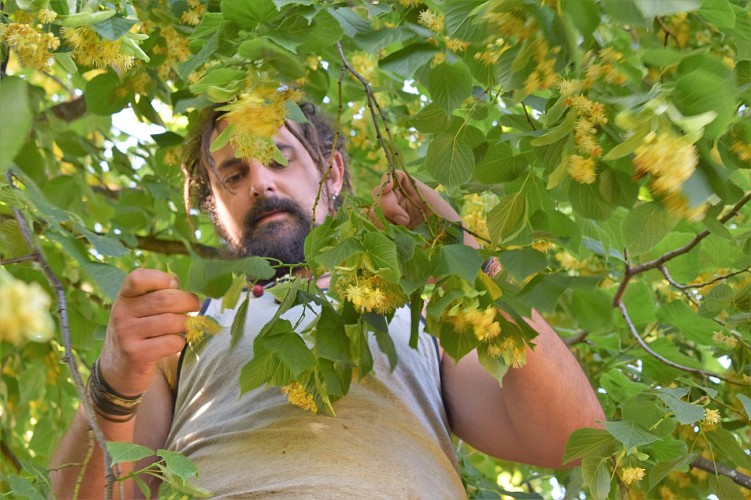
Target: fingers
x=142 y=281
x=162 y=301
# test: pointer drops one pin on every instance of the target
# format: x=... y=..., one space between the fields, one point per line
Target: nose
x=262 y=181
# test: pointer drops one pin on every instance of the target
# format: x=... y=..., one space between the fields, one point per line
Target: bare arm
x=530 y=417
x=144 y=328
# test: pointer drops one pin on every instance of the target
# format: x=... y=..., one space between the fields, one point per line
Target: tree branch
x=11 y=457
x=70 y=111
x=653 y=264
x=715 y=468
x=665 y=360
x=68 y=357
x=175 y=247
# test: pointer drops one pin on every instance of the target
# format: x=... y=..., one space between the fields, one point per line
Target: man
x=391 y=434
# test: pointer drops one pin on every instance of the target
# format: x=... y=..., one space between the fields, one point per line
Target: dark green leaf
x=458 y=259
x=178 y=465
x=588 y=442
x=449 y=85
x=596 y=476
x=450 y=160
x=506 y=217
x=686 y=413
x=103 y=96
x=114 y=27
x=14 y=102
x=407 y=61
x=727 y=445
x=661 y=470
x=630 y=433
x=238 y=323
x=127 y=452
x=647 y=224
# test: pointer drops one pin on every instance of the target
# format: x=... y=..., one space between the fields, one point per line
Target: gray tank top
x=390 y=436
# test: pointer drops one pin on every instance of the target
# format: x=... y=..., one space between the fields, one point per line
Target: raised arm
x=529 y=418
x=144 y=329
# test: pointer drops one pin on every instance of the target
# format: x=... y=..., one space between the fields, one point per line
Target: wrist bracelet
x=108 y=403
x=491 y=267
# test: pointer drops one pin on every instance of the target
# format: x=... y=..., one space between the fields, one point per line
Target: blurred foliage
x=601 y=148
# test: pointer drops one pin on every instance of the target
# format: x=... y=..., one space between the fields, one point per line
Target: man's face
x=267 y=211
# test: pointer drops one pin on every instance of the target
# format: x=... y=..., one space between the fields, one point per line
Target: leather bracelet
x=108 y=403
x=491 y=267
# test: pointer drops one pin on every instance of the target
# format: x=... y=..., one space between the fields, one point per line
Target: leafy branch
x=716 y=468
x=69 y=358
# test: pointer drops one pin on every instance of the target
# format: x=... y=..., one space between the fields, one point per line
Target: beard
x=283 y=240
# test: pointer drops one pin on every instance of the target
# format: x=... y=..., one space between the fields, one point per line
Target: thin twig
x=16 y=260
x=86 y=459
x=665 y=360
x=11 y=457
x=677 y=285
x=656 y=263
x=710 y=466
x=68 y=357
x=579 y=337
x=529 y=120
x=719 y=278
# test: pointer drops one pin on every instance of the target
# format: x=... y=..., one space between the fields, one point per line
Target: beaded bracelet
x=108 y=403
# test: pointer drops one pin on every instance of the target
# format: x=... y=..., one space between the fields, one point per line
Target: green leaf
x=693 y=326
x=238 y=324
x=660 y=471
x=431 y=119
x=651 y=9
x=248 y=14
x=178 y=464
x=706 y=85
x=184 y=69
x=523 y=263
x=686 y=413
x=630 y=433
x=23 y=488
x=229 y=301
x=405 y=62
x=592 y=308
x=506 y=217
x=114 y=27
x=646 y=225
x=556 y=133
x=718 y=12
x=728 y=447
x=620 y=387
x=449 y=85
x=495 y=366
x=127 y=452
x=500 y=164
x=381 y=252
x=450 y=160
x=725 y=488
x=461 y=260
x=587 y=200
x=330 y=340
x=596 y=476
x=352 y=23
x=387 y=346
x=746 y=402
x=289 y=347
x=15 y=103
x=214 y=277
x=265 y=50
x=588 y=442
x=102 y=96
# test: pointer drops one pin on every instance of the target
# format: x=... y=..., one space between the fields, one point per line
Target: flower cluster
x=668 y=158
x=89 y=49
x=24 y=311
x=711 y=417
x=544 y=76
x=431 y=20
x=173 y=46
x=370 y=293
x=632 y=474
x=255 y=117
x=32 y=46
x=727 y=340
x=196 y=327
x=741 y=149
x=298 y=396
x=465 y=317
x=589 y=115
x=194 y=13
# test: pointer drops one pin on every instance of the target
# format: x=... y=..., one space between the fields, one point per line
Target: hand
x=147 y=319
x=401 y=204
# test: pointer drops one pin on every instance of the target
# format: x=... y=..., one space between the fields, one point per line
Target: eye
x=234 y=178
x=275 y=165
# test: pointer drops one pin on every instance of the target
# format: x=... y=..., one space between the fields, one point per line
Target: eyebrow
x=233 y=162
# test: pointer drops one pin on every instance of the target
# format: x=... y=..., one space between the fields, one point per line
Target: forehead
x=283 y=138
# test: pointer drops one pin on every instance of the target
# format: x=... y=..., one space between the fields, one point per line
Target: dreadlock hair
x=317 y=137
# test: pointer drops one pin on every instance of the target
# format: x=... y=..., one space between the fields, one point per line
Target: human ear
x=335 y=178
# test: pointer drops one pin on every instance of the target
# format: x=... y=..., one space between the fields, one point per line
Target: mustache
x=265 y=206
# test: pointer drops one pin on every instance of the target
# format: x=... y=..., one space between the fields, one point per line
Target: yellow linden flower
x=431 y=20
x=30 y=45
x=632 y=474
x=711 y=417
x=667 y=494
x=670 y=159
x=46 y=16
x=198 y=326
x=298 y=396
x=89 y=49
x=456 y=45
x=24 y=311
x=568 y=88
x=582 y=169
